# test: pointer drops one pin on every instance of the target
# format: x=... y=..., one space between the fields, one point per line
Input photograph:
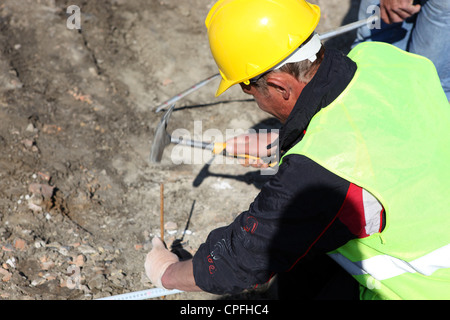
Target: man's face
x=269 y=100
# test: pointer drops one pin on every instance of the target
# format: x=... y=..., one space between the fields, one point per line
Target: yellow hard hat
x=249 y=37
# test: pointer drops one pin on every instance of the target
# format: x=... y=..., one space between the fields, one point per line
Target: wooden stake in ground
x=161 y=207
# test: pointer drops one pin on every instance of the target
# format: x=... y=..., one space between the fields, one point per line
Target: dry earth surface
x=79 y=199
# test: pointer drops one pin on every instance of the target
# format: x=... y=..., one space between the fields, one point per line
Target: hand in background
x=393 y=11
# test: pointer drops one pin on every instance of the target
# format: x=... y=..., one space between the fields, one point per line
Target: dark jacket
x=303 y=209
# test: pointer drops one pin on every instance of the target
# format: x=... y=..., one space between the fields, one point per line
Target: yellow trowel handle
x=220 y=148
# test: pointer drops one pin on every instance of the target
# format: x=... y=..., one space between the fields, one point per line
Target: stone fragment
x=79 y=260
x=44 y=190
x=170 y=225
x=96 y=282
x=46 y=264
x=20 y=244
x=86 y=249
x=6 y=275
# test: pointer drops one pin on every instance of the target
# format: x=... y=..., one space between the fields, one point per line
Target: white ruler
x=142 y=295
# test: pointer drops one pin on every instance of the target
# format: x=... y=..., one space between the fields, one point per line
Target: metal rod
x=161 y=208
x=186 y=92
x=347 y=28
x=325 y=36
x=193 y=143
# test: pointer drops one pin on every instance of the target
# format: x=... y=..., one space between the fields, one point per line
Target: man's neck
x=331 y=78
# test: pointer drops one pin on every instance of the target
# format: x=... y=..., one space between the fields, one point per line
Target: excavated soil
x=79 y=199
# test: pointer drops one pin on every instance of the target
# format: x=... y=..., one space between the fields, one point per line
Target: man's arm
x=262 y=145
x=164 y=269
x=287 y=220
x=180 y=275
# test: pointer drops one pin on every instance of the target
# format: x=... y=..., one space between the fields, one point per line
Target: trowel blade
x=161 y=138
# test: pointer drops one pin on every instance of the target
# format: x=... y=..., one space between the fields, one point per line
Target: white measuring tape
x=142 y=295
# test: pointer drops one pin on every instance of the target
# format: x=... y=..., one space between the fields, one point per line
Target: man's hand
x=258 y=145
x=393 y=11
x=157 y=262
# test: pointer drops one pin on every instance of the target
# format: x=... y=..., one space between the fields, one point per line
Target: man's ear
x=281 y=82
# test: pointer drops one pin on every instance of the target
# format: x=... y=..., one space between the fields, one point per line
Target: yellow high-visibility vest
x=389 y=133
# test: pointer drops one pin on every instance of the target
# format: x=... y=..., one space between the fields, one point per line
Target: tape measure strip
x=142 y=295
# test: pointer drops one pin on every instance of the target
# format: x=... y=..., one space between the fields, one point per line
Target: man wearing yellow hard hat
x=363 y=178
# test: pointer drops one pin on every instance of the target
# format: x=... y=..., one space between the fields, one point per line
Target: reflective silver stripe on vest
x=383 y=267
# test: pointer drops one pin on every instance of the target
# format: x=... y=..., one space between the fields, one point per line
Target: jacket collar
x=332 y=77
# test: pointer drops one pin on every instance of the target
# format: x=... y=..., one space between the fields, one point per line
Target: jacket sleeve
x=295 y=213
